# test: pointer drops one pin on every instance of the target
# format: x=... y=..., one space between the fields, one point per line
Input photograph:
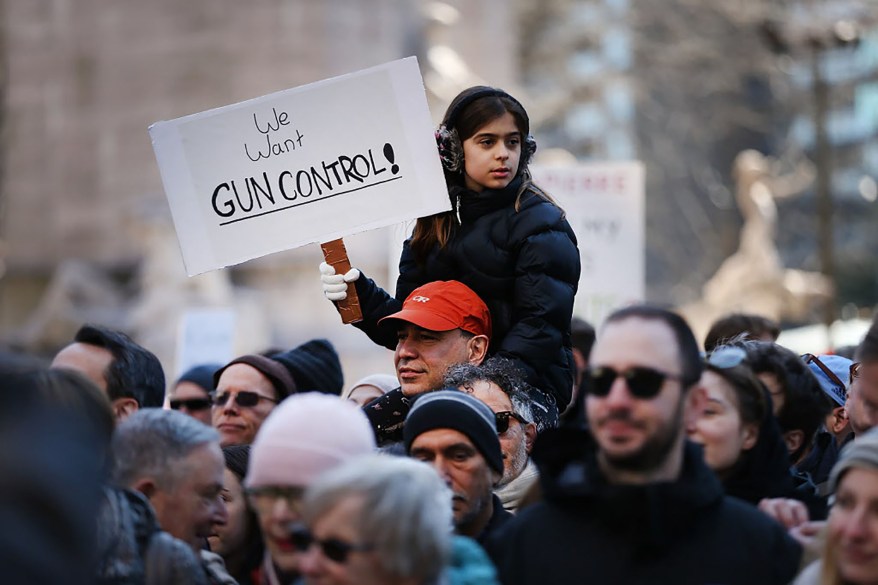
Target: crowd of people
x=514 y=445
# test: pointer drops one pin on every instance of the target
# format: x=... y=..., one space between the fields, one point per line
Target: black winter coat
x=681 y=532
x=525 y=266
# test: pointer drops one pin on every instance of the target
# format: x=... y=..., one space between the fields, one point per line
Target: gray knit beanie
x=861 y=452
x=453 y=409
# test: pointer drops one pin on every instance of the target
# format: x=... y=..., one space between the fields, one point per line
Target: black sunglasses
x=244 y=398
x=190 y=403
x=334 y=549
x=642 y=382
x=502 y=420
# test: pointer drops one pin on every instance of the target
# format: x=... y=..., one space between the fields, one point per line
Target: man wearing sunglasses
x=191 y=392
x=247 y=390
x=249 y=387
x=632 y=501
x=498 y=384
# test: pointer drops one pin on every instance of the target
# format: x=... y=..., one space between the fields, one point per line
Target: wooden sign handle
x=336 y=256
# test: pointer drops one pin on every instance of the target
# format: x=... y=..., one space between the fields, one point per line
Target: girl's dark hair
x=465 y=116
x=749 y=391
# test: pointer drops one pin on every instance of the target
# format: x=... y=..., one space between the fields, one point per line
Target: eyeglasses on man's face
x=243 y=398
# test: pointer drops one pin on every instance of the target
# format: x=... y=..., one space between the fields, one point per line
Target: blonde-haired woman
x=850 y=552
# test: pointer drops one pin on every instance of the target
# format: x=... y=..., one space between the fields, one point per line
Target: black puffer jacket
x=681 y=532
x=524 y=264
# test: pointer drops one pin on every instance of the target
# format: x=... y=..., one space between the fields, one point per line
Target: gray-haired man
x=176 y=462
x=498 y=383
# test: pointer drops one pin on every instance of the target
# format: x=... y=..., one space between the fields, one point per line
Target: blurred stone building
x=86 y=229
x=682 y=85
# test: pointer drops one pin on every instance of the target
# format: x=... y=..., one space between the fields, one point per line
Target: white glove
x=335 y=286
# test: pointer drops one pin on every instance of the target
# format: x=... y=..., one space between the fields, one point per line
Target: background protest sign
x=304 y=165
x=205 y=336
x=604 y=203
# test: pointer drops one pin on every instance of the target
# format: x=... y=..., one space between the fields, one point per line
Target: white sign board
x=604 y=203
x=304 y=165
x=205 y=336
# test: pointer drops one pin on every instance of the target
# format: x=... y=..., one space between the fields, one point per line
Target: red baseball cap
x=444 y=305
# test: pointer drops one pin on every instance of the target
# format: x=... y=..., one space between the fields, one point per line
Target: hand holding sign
x=305 y=165
x=340 y=288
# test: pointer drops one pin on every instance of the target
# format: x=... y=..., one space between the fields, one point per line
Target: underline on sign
x=255 y=215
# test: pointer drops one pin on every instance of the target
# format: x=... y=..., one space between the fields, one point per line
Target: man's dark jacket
x=523 y=264
x=680 y=532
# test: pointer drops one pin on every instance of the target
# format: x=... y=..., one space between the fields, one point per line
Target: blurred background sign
x=604 y=203
x=205 y=336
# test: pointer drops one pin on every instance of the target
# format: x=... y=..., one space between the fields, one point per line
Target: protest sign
x=205 y=336
x=304 y=165
x=604 y=203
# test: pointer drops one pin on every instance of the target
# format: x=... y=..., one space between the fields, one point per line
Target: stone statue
x=753 y=278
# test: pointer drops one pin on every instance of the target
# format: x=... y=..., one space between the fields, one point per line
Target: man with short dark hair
x=499 y=384
x=631 y=500
x=457 y=435
x=131 y=376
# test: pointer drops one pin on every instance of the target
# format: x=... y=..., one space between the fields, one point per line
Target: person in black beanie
x=314 y=366
x=191 y=392
x=457 y=434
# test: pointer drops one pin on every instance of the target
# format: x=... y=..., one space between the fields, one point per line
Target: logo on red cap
x=444 y=305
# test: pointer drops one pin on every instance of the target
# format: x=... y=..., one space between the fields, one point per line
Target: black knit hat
x=201 y=376
x=237 y=459
x=453 y=409
x=314 y=366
